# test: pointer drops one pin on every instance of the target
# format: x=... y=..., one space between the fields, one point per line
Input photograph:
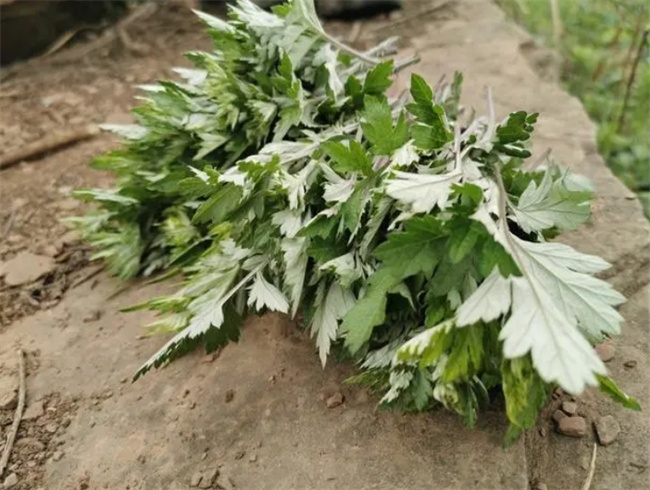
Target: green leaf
x=514 y=132
x=465 y=353
x=420 y=90
x=608 y=386
x=348 y=158
x=379 y=129
x=369 y=311
x=352 y=209
x=218 y=207
x=464 y=236
x=524 y=391
x=430 y=132
x=416 y=249
x=320 y=227
x=325 y=249
x=552 y=203
x=379 y=78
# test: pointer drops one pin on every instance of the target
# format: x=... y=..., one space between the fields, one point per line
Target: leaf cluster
x=281 y=176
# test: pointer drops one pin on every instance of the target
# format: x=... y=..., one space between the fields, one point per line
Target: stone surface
x=335 y=400
x=607 y=429
x=8 y=391
x=208 y=478
x=570 y=408
x=34 y=410
x=306 y=445
x=26 y=267
x=559 y=415
x=572 y=426
x=11 y=481
x=606 y=350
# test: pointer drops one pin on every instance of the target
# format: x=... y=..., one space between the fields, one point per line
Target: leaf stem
x=350 y=50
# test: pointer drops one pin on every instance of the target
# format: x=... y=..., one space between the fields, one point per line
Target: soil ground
x=256 y=413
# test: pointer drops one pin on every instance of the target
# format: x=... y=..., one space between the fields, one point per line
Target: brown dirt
x=258 y=411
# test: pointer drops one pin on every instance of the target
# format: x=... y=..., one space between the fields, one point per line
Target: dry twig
x=592 y=468
x=414 y=16
x=18 y=414
x=630 y=80
x=87 y=277
x=49 y=143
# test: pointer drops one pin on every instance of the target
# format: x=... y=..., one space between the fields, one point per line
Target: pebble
x=208 y=478
x=26 y=267
x=226 y=483
x=57 y=455
x=572 y=426
x=196 y=479
x=68 y=238
x=10 y=481
x=630 y=364
x=540 y=486
x=607 y=429
x=230 y=394
x=93 y=316
x=570 y=408
x=51 y=427
x=49 y=251
x=335 y=400
x=8 y=392
x=606 y=350
x=240 y=454
x=559 y=415
x=252 y=458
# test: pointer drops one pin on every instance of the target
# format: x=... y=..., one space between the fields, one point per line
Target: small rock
x=27 y=267
x=572 y=426
x=630 y=364
x=240 y=454
x=93 y=316
x=108 y=394
x=49 y=251
x=230 y=394
x=196 y=479
x=606 y=350
x=570 y=408
x=57 y=455
x=559 y=415
x=208 y=478
x=607 y=429
x=335 y=400
x=252 y=458
x=540 y=486
x=30 y=445
x=8 y=392
x=51 y=427
x=10 y=481
x=68 y=238
x=226 y=483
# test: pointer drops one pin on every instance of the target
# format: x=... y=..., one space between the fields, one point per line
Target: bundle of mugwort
x=279 y=176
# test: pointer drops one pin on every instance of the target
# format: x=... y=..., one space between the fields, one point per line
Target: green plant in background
x=280 y=176
x=606 y=63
